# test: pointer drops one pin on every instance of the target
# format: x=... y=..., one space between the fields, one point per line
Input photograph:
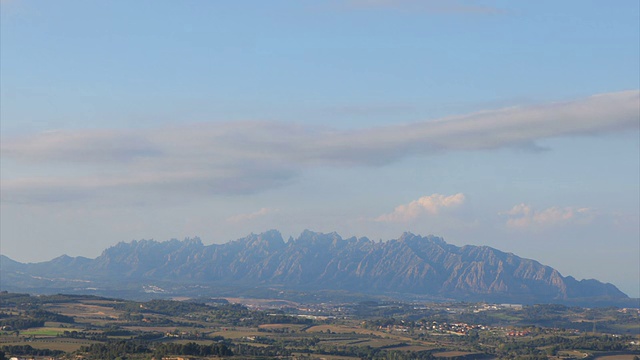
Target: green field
x=58 y=344
x=44 y=331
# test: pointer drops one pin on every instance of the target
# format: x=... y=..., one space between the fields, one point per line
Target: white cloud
x=524 y=216
x=83 y=146
x=250 y=216
x=432 y=204
x=244 y=157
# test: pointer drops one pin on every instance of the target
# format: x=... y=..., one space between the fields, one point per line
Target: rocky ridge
x=411 y=264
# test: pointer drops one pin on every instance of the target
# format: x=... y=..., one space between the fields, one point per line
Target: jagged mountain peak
x=325 y=261
x=312 y=237
x=144 y=246
x=270 y=238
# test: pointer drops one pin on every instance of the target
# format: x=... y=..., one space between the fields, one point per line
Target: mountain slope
x=410 y=264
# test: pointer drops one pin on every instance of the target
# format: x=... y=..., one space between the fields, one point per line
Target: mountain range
x=411 y=265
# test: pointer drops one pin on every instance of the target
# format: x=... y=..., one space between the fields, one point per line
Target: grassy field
x=161 y=329
x=375 y=343
x=44 y=331
x=67 y=345
x=450 y=354
x=348 y=329
x=412 y=348
x=616 y=357
x=282 y=326
x=329 y=357
x=86 y=311
x=236 y=334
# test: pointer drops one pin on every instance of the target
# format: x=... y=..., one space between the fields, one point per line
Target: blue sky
x=511 y=124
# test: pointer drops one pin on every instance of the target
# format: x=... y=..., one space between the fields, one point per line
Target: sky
x=512 y=124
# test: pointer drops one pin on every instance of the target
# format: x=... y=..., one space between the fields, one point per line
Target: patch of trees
x=541 y=347
x=135 y=317
x=387 y=309
x=151 y=336
x=264 y=318
x=164 y=307
x=26 y=301
x=600 y=343
x=67 y=298
x=208 y=301
x=301 y=342
x=226 y=314
x=253 y=351
x=231 y=314
x=49 y=316
x=14 y=299
x=122 y=349
x=115 y=331
x=94 y=335
x=367 y=352
x=191 y=349
x=21 y=350
x=236 y=314
x=155 y=320
x=384 y=322
x=83 y=335
x=33 y=318
x=114 y=349
x=20 y=323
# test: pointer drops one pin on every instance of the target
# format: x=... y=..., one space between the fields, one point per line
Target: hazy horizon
x=508 y=124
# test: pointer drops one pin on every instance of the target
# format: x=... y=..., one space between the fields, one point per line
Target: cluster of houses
x=456 y=328
x=444 y=328
x=630 y=311
x=490 y=307
x=517 y=333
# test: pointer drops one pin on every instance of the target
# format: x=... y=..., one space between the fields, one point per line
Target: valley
x=91 y=327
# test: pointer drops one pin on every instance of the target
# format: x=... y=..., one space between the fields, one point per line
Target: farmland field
x=90 y=328
x=617 y=357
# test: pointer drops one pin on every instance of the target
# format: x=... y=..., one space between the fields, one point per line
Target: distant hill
x=410 y=265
